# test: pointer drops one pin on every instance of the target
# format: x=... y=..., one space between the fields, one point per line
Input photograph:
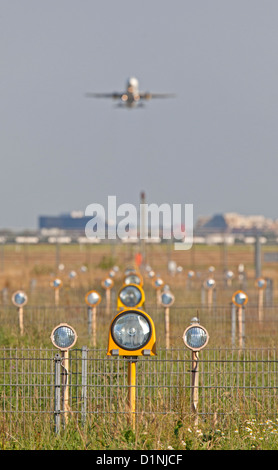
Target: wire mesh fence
x=221 y=321
x=233 y=384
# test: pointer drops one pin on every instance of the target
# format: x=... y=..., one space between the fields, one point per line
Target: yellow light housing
x=132 y=333
x=131 y=296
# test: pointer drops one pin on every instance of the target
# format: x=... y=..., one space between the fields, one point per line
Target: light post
x=260 y=283
x=151 y=274
x=19 y=299
x=195 y=337
x=72 y=276
x=158 y=283
x=92 y=299
x=209 y=286
x=190 y=277
x=240 y=299
x=229 y=275
x=64 y=337
x=107 y=285
x=56 y=284
x=167 y=299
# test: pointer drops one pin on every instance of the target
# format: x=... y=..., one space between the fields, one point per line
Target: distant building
x=74 y=222
x=233 y=223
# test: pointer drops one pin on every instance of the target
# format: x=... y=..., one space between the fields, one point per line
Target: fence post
x=57 y=393
x=84 y=374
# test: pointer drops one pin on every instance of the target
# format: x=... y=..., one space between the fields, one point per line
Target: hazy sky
x=214 y=146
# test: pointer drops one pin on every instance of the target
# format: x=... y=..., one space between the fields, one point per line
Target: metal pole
x=89 y=312
x=84 y=373
x=20 y=318
x=233 y=321
x=57 y=392
x=195 y=384
x=260 y=304
x=167 y=327
x=209 y=299
x=56 y=297
x=57 y=255
x=269 y=293
x=2 y=256
x=243 y=326
x=158 y=297
x=143 y=227
x=239 y=316
x=65 y=398
x=94 y=325
x=108 y=300
x=203 y=294
x=258 y=257
x=132 y=389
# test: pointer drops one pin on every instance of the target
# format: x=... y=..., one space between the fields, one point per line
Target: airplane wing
x=149 y=96
x=103 y=95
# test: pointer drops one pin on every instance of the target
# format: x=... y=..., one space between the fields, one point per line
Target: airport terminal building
x=75 y=221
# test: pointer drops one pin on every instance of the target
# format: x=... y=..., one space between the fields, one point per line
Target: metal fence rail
x=233 y=384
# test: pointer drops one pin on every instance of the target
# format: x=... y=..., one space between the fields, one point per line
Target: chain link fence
x=233 y=384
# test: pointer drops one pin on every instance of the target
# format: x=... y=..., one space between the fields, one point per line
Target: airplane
x=132 y=96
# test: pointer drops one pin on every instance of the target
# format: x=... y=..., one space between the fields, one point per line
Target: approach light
x=129 y=271
x=260 y=283
x=229 y=275
x=158 y=283
x=134 y=278
x=209 y=284
x=56 y=284
x=63 y=337
x=19 y=298
x=167 y=299
x=131 y=295
x=240 y=298
x=132 y=333
x=92 y=298
x=195 y=337
x=107 y=283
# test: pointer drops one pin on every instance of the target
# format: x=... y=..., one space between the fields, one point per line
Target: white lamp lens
x=132 y=279
x=195 y=337
x=19 y=298
x=166 y=298
x=240 y=298
x=107 y=282
x=131 y=331
x=130 y=296
x=64 y=337
x=93 y=298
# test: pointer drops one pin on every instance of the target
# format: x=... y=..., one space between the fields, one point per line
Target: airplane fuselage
x=131 y=96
